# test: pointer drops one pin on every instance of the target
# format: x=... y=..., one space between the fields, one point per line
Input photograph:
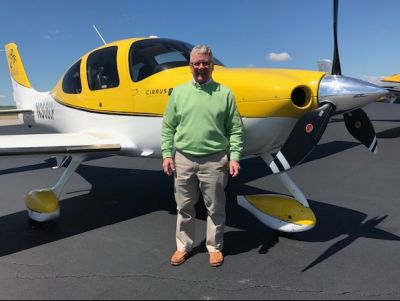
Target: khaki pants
x=207 y=175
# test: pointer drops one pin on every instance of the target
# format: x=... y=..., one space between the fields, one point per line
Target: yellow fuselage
x=258 y=92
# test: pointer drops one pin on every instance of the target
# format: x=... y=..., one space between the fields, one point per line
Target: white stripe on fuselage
x=144 y=132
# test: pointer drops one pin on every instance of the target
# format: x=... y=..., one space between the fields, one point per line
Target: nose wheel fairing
x=279 y=212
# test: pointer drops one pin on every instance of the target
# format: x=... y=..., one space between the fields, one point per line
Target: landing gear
x=281 y=212
x=43 y=204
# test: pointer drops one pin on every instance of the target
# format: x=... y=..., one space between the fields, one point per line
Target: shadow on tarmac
x=121 y=194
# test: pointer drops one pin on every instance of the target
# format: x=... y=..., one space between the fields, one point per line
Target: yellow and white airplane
x=392 y=83
x=395 y=78
x=112 y=101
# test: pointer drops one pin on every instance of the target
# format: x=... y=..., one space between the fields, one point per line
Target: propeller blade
x=336 y=70
x=302 y=139
x=360 y=126
x=357 y=121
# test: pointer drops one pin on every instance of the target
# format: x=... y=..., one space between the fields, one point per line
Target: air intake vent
x=301 y=96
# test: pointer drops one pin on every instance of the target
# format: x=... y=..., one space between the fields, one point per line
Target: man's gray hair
x=202 y=49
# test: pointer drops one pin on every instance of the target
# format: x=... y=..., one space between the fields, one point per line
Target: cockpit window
x=147 y=57
x=71 y=83
x=169 y=57
x=101 y=68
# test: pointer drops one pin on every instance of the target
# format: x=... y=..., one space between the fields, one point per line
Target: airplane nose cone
x=348 y=93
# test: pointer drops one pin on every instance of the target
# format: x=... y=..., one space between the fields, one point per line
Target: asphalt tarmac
x=115 y=235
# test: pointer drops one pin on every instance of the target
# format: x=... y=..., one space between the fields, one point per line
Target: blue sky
x=52 y=34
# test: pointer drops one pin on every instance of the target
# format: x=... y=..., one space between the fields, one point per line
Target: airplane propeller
x=337 y=94
x=336 y=69
x=356 y=121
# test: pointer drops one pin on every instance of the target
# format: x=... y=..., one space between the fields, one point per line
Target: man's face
x=202 y=67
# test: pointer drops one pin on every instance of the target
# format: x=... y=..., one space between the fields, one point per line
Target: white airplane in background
x=111 y=101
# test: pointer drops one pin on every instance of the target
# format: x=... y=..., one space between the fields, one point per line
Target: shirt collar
x=197 y=85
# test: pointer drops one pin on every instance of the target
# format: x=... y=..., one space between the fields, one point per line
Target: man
x=202 y=123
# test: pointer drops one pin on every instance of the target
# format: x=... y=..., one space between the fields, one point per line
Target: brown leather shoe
x=216 y=258
x=178 y=258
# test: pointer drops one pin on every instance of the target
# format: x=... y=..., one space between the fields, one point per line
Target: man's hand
x=168 y=166
x=234 y=168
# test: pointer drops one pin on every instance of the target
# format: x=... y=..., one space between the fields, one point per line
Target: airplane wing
x=47 y=144
x=14 y=111
x=392 y=88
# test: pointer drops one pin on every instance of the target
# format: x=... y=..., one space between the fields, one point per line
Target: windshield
x=147 y=57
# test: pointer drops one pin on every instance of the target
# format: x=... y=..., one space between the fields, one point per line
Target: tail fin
x=23 y=93
x=15 y=66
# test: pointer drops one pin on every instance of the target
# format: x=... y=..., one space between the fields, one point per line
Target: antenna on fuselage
x=94 y=26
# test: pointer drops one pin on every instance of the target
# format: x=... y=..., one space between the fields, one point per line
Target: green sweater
x=202 y=120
